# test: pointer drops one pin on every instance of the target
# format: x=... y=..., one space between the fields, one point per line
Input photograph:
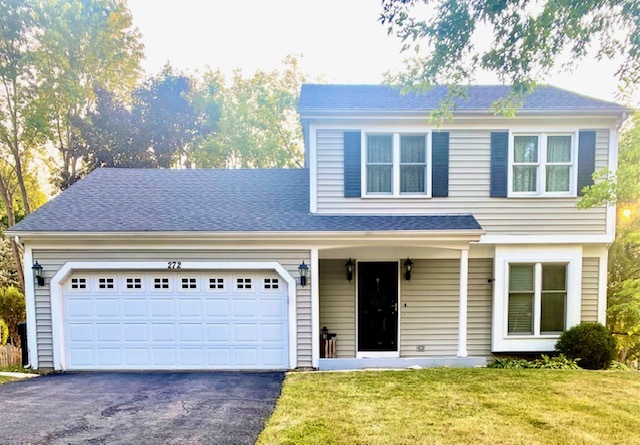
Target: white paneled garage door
x=181 y=320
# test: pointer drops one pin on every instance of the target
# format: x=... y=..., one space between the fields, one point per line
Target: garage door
x=204 y=320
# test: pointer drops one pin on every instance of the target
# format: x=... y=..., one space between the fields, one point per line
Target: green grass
x=5 y=379
x=457 y=406
x=17 y=368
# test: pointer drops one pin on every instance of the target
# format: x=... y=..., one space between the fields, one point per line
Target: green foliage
x=4 y=332
x=592 y=343
x=12 y=309
x=619 y=366
x=259 y=125
x=622 y=186
x=83 y=44
x=544 y=362
x=529 y=40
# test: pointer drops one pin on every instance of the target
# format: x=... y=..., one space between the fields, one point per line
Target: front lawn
x=457 y=406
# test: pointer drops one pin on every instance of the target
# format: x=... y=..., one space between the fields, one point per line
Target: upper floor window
x=396 y=164
x=543 y=165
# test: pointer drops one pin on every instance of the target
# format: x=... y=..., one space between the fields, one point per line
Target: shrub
x=4 y=333
x=618 y=366
x=545 y=362
x=12 y=310
x=592 y=343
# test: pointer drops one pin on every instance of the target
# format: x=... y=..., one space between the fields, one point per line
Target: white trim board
x=59 y=360
x=30 y=297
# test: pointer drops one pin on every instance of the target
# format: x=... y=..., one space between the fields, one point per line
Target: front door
x=378 y=306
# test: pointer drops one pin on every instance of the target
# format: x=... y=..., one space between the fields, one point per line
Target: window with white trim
x=537 y=303
x=396 y=164
x=244 y=283
x=271 y=284
x=189 y=283
x=216 y=283
x=106 y=283
x=133 y=283
x=543 y=164
x=78 y=283
x=161 y=283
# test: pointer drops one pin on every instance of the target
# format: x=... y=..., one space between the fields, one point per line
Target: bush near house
x=591 y=343
x=545 y=362
x=12 y=310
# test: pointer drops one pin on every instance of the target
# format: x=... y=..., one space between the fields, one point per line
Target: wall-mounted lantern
x=348 y=266
x=37 y=272
x=407 y=269
x=304 y=271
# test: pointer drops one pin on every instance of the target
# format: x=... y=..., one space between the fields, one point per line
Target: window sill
x=416 y=196
x=541 y=196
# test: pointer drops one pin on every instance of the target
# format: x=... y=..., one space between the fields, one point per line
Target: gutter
x=307 y=236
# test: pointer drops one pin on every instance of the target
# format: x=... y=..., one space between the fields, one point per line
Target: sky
x=341 y=41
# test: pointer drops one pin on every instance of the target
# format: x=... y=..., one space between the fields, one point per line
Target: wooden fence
x=10 y=355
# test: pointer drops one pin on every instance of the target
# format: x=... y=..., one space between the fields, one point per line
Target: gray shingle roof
x=259 y=200
x=341 y=98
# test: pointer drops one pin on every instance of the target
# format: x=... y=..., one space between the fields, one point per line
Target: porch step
x=398 y=363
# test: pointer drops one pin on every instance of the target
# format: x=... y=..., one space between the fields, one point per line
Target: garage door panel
x=190 y=308
x=135 y=332
x=107 y=332
x=134 y=307
x=190 y=332
x=156 y=321
x=216 y=307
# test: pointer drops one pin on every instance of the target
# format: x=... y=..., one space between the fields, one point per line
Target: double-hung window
x=543 y=164
x=396 y=164
x=537 y=298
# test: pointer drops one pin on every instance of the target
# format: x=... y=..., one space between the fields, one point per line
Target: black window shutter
x=586 y=159
x=499 y=164
x=440 y=168
x=352 y=164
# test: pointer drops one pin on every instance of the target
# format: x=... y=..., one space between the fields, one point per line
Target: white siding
x=53 y=260
x=469 y=177
x=590 y=289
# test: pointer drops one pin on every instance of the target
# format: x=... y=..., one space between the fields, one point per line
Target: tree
x=529 y=40
x=259 y=125
x=622 y=188
x=12 y=310
x=84 y=44
x=110 y=136
x=159 y=129
x=172 y=119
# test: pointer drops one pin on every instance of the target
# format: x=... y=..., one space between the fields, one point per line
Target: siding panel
x=338 y=306
x=469 y=184
x=590 y=267
x=479 y=307
x=429 y=309
x=53 y=260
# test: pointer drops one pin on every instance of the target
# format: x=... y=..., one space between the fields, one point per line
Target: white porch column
x=315 y=309
x=462 y=315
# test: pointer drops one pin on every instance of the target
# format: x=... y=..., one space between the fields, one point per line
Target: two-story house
x=414 y=244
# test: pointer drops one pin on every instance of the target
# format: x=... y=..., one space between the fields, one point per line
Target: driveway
x=140 y=407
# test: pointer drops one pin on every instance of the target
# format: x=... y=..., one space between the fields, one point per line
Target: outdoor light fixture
x=37 y=270
x=304 y=270
x=407 y=269
x=349 y=268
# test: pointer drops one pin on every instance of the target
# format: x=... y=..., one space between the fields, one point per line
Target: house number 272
x=174 y=265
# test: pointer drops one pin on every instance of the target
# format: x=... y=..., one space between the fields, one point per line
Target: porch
x=437 y=315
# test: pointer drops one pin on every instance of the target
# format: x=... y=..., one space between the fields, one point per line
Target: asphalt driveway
x=151 y=407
